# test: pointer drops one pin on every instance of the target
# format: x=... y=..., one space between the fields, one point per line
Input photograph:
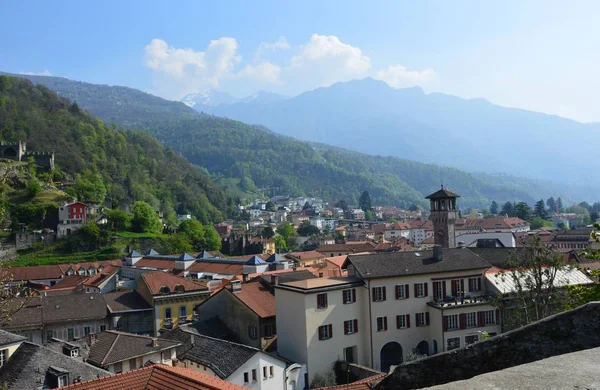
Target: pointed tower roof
x=185 y=257
x=255 y=260
x=134 y=254
x=442 y=194
x=276 y=258
x=152 y=252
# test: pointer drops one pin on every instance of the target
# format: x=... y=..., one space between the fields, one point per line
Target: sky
x=537 y=55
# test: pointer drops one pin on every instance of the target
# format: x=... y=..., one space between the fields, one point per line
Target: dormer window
x=179 y=288
x=165 y=290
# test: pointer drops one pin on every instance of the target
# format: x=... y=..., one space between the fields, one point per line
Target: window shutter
x=416 y=294
x=443 y=282
x=320 y=333
x=426 y=289
x=470 y=285
x=406 y=291
x=330 y=330
x=353 y=295
x=397 y=322
x=478 y=284
x=384 y=323
x=383 y=288
x=318 y=303
x=462 y=319
x=408 y=320
x=445 y=323
x=427 y=318
x=480 y=318
x=325 y=300
x=462 y=285
x=454 y=288
x=345 y=327
x=497 y=316
x=397 y=292
x=355 y=325
x=373 y=293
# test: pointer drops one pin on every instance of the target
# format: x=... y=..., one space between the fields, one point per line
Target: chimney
x=438 y=254
x=244 y=278
x=192 y=339
x=154 y=342
x=92 y=337
x=274 y=279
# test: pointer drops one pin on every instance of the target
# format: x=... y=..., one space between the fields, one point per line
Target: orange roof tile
x=101 y=276
x=157 y=279
x=69 y=282
x=217 y=268
x=258 y=298
x=156 y=377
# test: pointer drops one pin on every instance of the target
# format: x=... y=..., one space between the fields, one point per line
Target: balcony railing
x=460 y=301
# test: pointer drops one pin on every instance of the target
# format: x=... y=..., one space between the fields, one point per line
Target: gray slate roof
x=222 y=357
x=284 y=277
x=112 y=347
x=27 y=368
x=442 y=193
x=383 y=265
x=9 y=338
x=122 y=301
x=498 y=256
x=70 y=307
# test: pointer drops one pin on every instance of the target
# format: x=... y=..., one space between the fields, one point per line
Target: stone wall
x=26 y=239
x=349 y=372
x=566 y=332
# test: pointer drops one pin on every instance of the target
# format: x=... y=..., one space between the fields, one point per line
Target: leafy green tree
x=194 y=230
x=540 y=209
x=559 y=204
x=342 y=204
x=586 y=206
x=286 y=230
x=369 y=215
x=33 y=187
x=212 y=238
x=267 y=232
x=118 y=220
x=523 y=211
x=507 y=209
x=307 y=230
x=364 y=202
x=270 y=206
x=494 y=207
x=145 y=219
x=280 y=243
x=88 y=187
x=551 y=203
x=538 y=222
x=594 y=215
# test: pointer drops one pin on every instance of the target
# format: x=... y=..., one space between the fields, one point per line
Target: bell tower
x=443 y=216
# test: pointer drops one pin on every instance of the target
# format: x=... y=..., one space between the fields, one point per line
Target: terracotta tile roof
x=112 y=346
x=157 y=279
x=309 y=255
x=36 y=273
x=101 y=276
x=121 y=301
x=69 y=282
x=156 y=263
x=399 y=226
x=334 y=248
x=86 y=266
x=157 y=377
x=258 y=298
x=217 y=268
x=363 y=384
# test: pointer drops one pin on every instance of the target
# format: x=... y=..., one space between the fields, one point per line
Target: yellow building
x=173 y=298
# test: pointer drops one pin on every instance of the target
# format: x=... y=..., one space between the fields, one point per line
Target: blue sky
x=538 y=55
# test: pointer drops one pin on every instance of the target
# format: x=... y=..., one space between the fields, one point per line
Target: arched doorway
x=391 y=355
x=423 y=348
x=10 y=153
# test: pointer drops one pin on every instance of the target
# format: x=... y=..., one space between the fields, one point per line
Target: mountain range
x=250 y=157
x=471 y=134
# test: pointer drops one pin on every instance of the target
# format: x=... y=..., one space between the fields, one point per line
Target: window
x=102 y=328
x=269 y=331
x=265 y=376
x=402 y=291
x=474 y=284
x=471 y=320
x=246 y=377
x=3 y=355
x=350 y=326
x=420 y=290
x=272 y=371
x=381 y=324
x=49 y=335
x=451 y=322
x=70 y=334
x=321 y=301
x=63 y=380
x=254 y=375
x=457 y=287
x=472 y=339
x=75 y=352
x=132 y=364
x=86 y=330
x=168 y=313
x=489 y=317
x=349 y=295
x=378 y=294
x=118 y=367
x=453 y=343
x=402 y=321
x=320 y=274
x=438 y=289
x=325 y=332
x=182 y=312
x=422 y=319
x=252 y=332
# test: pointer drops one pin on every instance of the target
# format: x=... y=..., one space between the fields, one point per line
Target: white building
x=391 y=305
x=397 y=230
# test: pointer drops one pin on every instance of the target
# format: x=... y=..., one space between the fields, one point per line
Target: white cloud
x=280 y=44
x=264 y=72
x=181 y=71
x=397 y=76
x=46 y=72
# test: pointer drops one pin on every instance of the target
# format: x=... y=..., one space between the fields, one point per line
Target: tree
x=267 y=232
x=559 y=205
x=523 y=211
x=533 y=275
x=538 y=222
x=118 y=220
x=212 y=238
x=280 y=244
x=369 y=215
x=342 y=204
x=551 y=203
x=270 y=206
x=507 y=209
x=286 y=230
x=13 y=298
x=324 y=379
x=88 y=187
x=33 y=187
x=494 y=207
x=364 y=202
x=145 y=219
x=307 y=206
x=586 y=206
x=307 y=230
x=594 y=215
x=540 y=209
x=194 y=231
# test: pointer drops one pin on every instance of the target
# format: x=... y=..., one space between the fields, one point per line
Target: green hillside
x=254 y=157
x=113 y=166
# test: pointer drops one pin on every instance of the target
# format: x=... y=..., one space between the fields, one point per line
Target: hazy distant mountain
x=208 y=98
x=247 y=157
x=369 y=116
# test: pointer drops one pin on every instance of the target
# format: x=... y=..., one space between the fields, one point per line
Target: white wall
x=258 y=362
x=291 y=325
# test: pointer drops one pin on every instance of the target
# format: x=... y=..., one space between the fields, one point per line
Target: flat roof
x=320 y=284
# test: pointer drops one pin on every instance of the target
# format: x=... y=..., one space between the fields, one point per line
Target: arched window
x=391 y=355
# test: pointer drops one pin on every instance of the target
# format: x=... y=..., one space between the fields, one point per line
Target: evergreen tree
x=551 y=203
x=560 y=206
x=540 y=209
x=523 y=211
x=507 y=209
x=364 y=202
x=494 y=207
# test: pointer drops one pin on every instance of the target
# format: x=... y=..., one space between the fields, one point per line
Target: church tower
x=443 y=216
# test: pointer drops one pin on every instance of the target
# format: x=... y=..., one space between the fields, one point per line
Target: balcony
x=456 y=302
